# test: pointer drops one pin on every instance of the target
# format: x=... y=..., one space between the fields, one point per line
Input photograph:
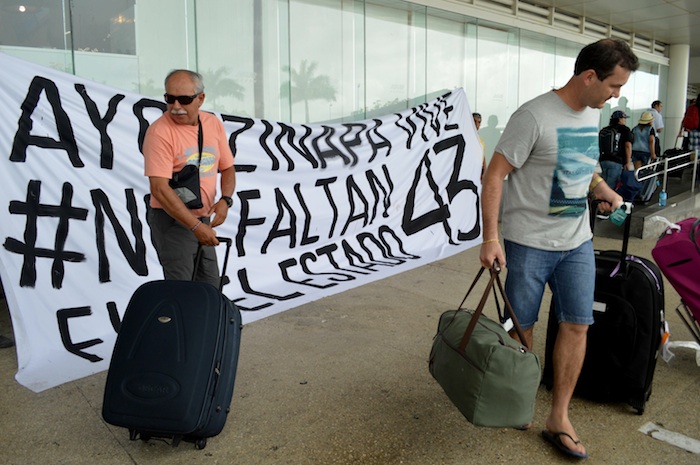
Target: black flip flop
x=555 y=438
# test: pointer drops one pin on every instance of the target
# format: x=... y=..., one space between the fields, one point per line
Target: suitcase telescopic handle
x=229 y=243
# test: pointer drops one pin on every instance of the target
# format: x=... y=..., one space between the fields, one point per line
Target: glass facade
x=306 y=60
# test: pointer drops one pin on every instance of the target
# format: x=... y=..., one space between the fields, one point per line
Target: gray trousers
x=177 y=250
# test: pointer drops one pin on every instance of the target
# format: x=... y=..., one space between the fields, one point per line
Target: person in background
x=184 y=135
x=658 y=123
x=612 y=162
x=477 y=123
x=549 y=151
x=644 y=143
x=691 y=123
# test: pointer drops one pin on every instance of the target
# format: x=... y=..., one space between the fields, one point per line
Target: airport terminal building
x=314 y=61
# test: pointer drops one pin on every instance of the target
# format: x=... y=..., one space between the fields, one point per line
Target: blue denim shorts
x=641 y=156
x=570 y=275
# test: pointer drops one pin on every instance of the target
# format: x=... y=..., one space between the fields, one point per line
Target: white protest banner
x=318 y=209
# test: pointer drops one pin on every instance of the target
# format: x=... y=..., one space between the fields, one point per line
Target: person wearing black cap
x=615 y=141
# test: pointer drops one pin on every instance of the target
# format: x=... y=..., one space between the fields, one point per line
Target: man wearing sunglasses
x=186 y=136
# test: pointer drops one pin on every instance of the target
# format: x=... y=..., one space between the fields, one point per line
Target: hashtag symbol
x=33 y=210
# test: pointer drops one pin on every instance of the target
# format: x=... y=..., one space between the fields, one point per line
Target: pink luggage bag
x=677 y=253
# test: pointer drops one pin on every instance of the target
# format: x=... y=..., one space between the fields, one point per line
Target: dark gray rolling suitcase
x=650 y=185
x=174 y=362
x=672 y=164
x=624 y=341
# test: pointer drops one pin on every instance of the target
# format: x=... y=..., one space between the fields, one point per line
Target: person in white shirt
x=658 y=123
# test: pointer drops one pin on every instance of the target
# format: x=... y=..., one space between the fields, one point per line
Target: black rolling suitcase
x=624 y=341
x=670 y=153
x=174 y=362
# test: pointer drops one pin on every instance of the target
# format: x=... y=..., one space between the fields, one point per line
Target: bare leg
x=526 y=332
x=569 y=352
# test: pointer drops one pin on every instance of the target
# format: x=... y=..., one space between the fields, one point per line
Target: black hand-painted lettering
x=135 y=257
x=275 y=232
x=352 y=191
x=434 y=121
x=375 y=185
x=138 y=110
x=114 y=316
x=362 y=239
x=305 y=238
x=275 y=164
x=327 y=251
x=107 y=149
x=456 y=185
x=357 y=129
x=33 y=210
x=387 y=231
x=439 y=214
x=300 y=147
x=381 y=143
x=356 y=259
x=308 y=256
x=243 y=308
x=418 y=113
x=332 y=151
x=325 y=183
x=23 y=137
x=245 y=286
x=447 y=110
x=63 y=316
x=455 y=148
x=408 y=126
x=291 y=262
x=244 y=197
x=246 y=123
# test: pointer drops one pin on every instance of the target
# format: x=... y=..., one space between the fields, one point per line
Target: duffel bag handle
x=480 y=308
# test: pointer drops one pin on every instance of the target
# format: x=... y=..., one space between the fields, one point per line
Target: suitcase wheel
x=200 y=444
x=638 y=404
x=134 y=435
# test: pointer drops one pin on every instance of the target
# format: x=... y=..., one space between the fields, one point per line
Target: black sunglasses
x=183 y=99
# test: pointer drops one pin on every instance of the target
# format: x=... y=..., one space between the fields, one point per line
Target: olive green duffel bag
x=489 y=376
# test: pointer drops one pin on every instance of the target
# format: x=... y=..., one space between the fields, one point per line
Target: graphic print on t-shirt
x=577 y=155
x=206 y=164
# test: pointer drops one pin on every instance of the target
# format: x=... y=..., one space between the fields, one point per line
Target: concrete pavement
x=344 y=380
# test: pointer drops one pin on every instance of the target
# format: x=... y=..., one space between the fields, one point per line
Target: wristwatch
x=228 y=200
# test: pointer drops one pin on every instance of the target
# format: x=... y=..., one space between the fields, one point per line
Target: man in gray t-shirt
x=548 y=151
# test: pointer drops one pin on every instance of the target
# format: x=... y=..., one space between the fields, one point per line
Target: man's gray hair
x=197 y=79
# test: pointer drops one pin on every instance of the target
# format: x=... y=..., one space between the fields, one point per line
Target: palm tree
x=304 y=85
x=217 y=84
x=149 y=88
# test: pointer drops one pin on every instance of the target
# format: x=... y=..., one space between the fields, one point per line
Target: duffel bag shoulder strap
x=516 y=323
x=476 y=280
x=477 y=313
x=480 y=308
